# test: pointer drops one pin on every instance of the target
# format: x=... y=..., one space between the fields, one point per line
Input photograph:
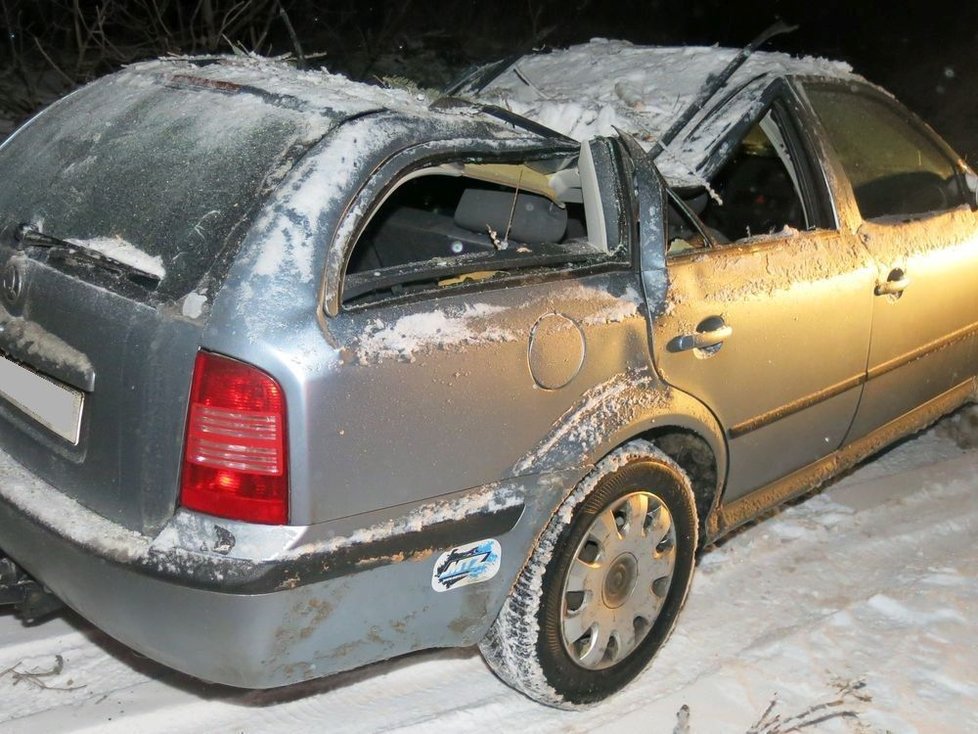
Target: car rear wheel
x=604 y=584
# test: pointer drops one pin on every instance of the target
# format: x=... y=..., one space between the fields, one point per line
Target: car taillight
x=235 y=462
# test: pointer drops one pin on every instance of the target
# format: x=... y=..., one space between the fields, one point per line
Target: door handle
x=895 y=284
x=711 y=332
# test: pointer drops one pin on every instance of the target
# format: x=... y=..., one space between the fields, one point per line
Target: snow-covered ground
x=850 y=612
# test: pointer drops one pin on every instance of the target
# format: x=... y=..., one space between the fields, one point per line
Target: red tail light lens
x=235 y=459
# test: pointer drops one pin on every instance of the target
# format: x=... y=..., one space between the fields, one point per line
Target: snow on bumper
x=263 y=606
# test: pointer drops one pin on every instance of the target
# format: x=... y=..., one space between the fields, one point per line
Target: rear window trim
x=506 y=279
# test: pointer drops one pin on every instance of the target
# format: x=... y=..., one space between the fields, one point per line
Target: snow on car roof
x=278 y=81
x=323 y=99
x=597 y=87
x=591 y=89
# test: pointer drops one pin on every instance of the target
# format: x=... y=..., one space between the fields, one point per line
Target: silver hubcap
x=618 y=580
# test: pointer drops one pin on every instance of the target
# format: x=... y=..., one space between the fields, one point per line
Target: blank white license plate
x=53 y=405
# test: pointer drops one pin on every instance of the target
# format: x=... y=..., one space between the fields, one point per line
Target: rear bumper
x=261 y=606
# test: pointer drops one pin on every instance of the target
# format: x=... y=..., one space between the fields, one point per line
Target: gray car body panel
x=344 y=376
x=418 y=425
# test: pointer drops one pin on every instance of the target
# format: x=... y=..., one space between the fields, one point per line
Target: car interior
x=755 y=194
x=456 y=209
x=456 y=221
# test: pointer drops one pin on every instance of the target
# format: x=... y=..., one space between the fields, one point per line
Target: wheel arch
x=698 y=458
x=688 y=433
x=638 y=405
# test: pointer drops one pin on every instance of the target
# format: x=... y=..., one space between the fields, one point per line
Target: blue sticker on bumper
x=466 y=564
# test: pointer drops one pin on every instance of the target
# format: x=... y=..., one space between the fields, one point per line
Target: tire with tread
x=528 y=645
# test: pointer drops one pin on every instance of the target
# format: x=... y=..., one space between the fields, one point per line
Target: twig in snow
x=772 y=723
x=822 y=719
x=34 y=676
x=763 y=718
x=850 y=688
x=682 y=720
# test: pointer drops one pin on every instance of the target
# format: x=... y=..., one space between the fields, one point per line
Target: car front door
x=767 y=314
x=903 y=192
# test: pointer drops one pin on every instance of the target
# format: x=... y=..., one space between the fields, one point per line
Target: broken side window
x=684 y=232
x=459 y=222
x=758 y=191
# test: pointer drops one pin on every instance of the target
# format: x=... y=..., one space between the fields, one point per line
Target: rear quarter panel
x=393 y=404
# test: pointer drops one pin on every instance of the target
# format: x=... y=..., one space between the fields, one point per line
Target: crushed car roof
x=602 y=86
x=592 y=89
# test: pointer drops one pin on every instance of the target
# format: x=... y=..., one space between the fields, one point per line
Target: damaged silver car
x=299 y=374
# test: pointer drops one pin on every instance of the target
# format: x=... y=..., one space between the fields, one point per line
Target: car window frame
x=847 y=205
x=406 y=164
x=781 y=99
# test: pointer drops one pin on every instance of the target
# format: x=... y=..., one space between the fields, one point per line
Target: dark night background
x=922 y=51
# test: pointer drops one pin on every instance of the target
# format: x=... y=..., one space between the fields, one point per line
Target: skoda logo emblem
x=11 y=283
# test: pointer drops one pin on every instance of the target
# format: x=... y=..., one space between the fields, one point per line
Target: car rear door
x=771 y=329
x=903 y=193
